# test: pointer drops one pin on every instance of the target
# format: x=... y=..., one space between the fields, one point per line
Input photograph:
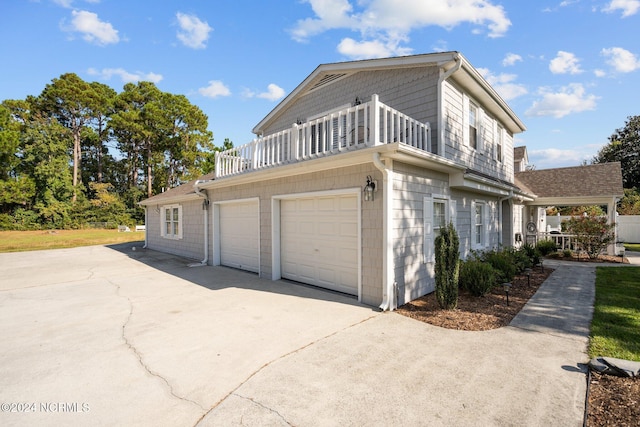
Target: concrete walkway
x=142 y=339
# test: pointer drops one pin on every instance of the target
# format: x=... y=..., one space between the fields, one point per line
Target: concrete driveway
x=113 y=336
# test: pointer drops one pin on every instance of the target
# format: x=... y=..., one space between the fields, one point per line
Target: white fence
x=629 y=228
x=363 y=125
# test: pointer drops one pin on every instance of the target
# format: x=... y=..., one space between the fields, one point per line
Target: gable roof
x=180 y=193
x=598 y=180
x=466 y=76
x=520 y=153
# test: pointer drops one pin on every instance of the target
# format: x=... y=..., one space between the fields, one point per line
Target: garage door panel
x=240 y=236
x=319 y=242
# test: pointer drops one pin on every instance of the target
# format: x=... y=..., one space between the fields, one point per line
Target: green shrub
x=545 y=247
x=520 y=259
x=593 y=234
x=567 y=253
x=532 y=252
x=502 y=261
x=477 y=277
x=447 y=267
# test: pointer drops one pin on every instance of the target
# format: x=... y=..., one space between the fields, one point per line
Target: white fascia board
x=479 y=185
x=170 y=200
x=573 y=201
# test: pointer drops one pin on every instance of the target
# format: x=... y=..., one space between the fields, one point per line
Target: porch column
x=611 y=212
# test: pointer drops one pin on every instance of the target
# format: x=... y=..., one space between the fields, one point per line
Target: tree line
x=624 y=147
x=82 y=153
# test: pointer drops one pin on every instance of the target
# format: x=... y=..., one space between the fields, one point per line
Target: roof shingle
x=602 y=179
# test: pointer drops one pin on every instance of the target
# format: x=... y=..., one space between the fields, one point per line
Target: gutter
x=441 y=79
x=389 y=301
x=205 y=208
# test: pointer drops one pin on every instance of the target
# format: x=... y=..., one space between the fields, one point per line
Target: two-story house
x=351 y=177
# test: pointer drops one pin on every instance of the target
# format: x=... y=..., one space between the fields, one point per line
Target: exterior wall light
x=369 y=189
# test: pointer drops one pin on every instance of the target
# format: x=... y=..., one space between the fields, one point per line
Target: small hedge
x=545 y=247
x=477 y=277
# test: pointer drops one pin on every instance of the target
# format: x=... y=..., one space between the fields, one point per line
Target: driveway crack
x=139 y=356
x=257 y=371
x=255 y=402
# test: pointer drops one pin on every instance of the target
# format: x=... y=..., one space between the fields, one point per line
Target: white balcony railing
x=364 y=125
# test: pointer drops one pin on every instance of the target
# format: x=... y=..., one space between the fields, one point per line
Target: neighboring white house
x=428 y=136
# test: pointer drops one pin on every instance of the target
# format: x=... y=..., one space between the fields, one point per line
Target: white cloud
x=193 y=32
x=384 y=25
x=215 y=89
x=565 y=63
x=599 y=73
x=554 y=157
x=621 y=59
x=628 y=7
x=125 y=76
x=92 y=28
x=273 y=93
x=511 y=59
x=504 y=84
x=371 y=49
x=64 y=3
x=570 y=99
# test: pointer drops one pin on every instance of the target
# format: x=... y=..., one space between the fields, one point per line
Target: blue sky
x=569 y=69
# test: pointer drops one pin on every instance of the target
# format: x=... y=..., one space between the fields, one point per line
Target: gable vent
x=329 y=78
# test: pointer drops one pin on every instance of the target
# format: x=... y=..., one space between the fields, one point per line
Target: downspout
x=205 y=209
x=441 y=127
x=501 y=216
x=146 y=222
x=389 y=301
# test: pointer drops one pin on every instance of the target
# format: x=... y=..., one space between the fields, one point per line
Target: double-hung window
x=473 y=126
x=439 y=210
x=499 y=143
x=479 y=224
x=171 y=218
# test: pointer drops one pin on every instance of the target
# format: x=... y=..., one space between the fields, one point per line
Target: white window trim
x=466 y=108
x=163 y=229
x=484 y=238
x=429 y=255
x=499 y=141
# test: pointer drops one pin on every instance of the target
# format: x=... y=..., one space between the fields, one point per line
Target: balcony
x=360 y=126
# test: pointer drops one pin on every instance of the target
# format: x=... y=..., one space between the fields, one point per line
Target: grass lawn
x=17 y=241
x=632 y=247
x=615 y=329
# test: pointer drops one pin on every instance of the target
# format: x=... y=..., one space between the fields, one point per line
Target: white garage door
x=240 y=235
x=319 y=241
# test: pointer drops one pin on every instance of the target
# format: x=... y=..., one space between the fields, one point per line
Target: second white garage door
x=319 y=241
x=240 y=235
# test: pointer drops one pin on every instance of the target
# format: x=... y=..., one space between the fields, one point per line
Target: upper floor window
x=473 y=126
x=499 y=143
x=171 y=221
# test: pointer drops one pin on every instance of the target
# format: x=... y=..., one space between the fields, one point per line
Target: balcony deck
x=364 y=125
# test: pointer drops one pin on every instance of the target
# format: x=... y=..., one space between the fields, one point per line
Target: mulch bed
x=613 y=401
x=478 y=313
